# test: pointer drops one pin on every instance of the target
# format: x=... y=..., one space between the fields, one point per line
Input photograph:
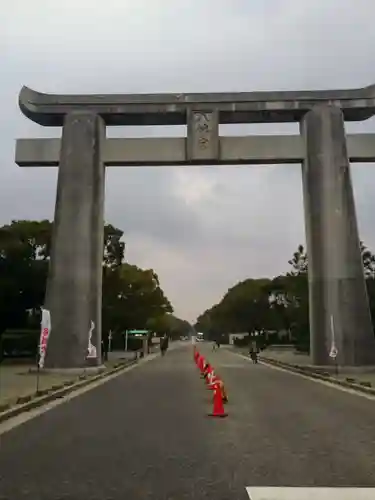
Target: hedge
x=19 y=343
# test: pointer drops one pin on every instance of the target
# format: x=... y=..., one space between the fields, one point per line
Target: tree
x=299 y=288
x=368 y=259
x=213 y=322
x=178 y=327
x=130 y=295
x=244 y=308
x=114 y=248
x=278 y=304
x=298 y=262
x=169 y=324
x=274 y=305
x=23 y=270
x=159 y=324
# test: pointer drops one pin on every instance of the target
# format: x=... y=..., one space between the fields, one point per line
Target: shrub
x=19 y=343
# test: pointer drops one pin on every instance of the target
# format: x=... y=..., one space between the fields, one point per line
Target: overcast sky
x=202 y=229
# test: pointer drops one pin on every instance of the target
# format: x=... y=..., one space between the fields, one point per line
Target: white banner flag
x=45 y=332
x=334 y=351
x=91 y=349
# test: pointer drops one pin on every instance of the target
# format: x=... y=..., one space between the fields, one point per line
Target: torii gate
x=337 y=290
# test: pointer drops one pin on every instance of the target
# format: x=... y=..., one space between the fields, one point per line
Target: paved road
x=145 y=435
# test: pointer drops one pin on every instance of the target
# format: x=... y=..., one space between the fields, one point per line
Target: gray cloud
x=200 y=228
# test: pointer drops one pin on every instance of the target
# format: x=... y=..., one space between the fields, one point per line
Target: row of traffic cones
x=214 y=383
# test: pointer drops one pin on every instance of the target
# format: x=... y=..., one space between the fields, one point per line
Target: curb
x=30 y=402
x=315 y=375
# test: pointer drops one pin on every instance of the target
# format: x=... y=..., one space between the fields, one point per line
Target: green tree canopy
x=280 y=304
x=131 y=295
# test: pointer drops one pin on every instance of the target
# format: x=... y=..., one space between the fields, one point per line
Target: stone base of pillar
x=91 y=362
x=89 y=370
x=342 y=370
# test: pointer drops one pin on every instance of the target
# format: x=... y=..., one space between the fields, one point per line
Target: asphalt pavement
x=146 y=435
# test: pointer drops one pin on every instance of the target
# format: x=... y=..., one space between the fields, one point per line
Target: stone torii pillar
x=339 y=308
x=74 y=287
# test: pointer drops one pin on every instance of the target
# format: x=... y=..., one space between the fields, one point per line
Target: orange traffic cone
x=209 y=375
x=207 y=371
x=198 y=360
x=201 y=363
x=211 y=386
x=214 y=379
x=218 y=409
x=202 y=366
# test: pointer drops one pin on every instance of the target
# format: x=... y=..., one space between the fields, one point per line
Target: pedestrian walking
x=253 y=355
x=164 y=344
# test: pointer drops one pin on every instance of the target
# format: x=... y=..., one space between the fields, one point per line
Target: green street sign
x=137 y=333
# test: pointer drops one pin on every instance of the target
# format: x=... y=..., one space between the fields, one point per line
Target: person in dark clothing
x=164 y=344
x=105 y=345
x=216 y=344
x=253 y=355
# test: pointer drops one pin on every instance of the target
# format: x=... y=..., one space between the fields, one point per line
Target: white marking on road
x=283 y=493
x=10 y=424
x=371 y=397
